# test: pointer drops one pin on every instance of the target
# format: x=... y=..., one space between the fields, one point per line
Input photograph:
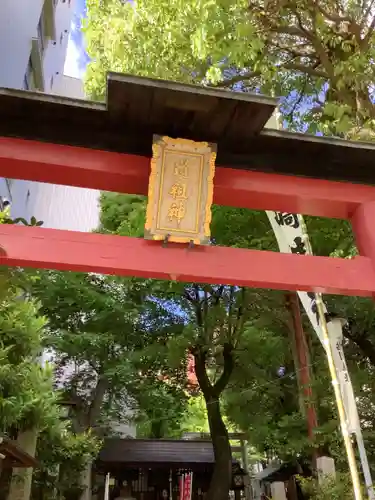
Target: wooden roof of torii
x=136 y=108
x=14 y=455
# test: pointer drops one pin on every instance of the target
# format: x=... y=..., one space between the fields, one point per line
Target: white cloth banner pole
x=106 y=487
x=289 y=236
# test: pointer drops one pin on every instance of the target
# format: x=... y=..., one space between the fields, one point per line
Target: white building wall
x=66 y=207
x=21 y=194
x=68 y=86
x=54 y=59
x=59 y=207
x=18 y=26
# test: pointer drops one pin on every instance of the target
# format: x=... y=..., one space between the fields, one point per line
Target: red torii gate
x=108 y=147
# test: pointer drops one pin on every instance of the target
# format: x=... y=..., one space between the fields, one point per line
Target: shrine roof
x=137 y=452
x=136 y=108
x=14 y=455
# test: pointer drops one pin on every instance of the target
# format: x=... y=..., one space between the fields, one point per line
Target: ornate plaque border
x=160 y=142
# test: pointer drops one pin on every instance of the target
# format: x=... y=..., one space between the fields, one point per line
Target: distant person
x=125 y=494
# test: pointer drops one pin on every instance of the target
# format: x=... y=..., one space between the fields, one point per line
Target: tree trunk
x=97 y=398
x=222 y=477
x=157 y=429
x=85 y=482
x=86 y=422
x=362 y=339
x=20 y=486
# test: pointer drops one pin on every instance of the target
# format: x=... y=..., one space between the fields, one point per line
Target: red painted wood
x=108 y=171
x=72 y=166
x=363 y=224
x=303 y=368
x=70 y=250
x=261 y=191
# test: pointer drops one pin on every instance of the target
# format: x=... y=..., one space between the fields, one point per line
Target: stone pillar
x=278 y=491
x=326 y=467
x=247 y=488
x=20 y=486
x=85 y=482
x=257 y=489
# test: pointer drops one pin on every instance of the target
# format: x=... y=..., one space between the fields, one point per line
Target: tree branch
x=198 y=309
x=97 y=401
x=336 y=18
x=205 y=313
x=308 y=53
x=189 y=297
x=308 y=34
x=367 y=13
x=221 y=384
x=230 y=310
x=238 y=78
x=366 y=40
x=308 y=70
x=217 y=295
x=298 y=101
x=240 y=321
x=201 y=373
x=361 y=340
x=293 y=31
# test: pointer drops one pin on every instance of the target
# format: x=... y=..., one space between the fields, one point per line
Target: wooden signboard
x=180 y=191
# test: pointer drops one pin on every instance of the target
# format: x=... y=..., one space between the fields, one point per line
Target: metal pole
x=339 y=402
x=365 y=464
x=170 y=485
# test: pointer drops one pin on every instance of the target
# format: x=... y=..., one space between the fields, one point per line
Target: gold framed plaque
x=180 y=191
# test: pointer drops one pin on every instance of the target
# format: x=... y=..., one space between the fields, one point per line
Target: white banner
x=289 y=236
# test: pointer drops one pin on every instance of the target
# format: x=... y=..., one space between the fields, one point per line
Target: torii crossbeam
x=108 y=147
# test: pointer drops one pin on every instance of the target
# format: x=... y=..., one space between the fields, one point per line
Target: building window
x=41 y=32
x=51 y=82
x=9 y=185
x=61 y=38
x=25 y=83
x=29 y=79
x=4 y=203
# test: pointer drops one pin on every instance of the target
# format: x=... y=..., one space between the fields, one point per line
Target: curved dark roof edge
x=137 y=108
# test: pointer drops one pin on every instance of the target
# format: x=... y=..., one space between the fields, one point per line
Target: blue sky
x=76 y=57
